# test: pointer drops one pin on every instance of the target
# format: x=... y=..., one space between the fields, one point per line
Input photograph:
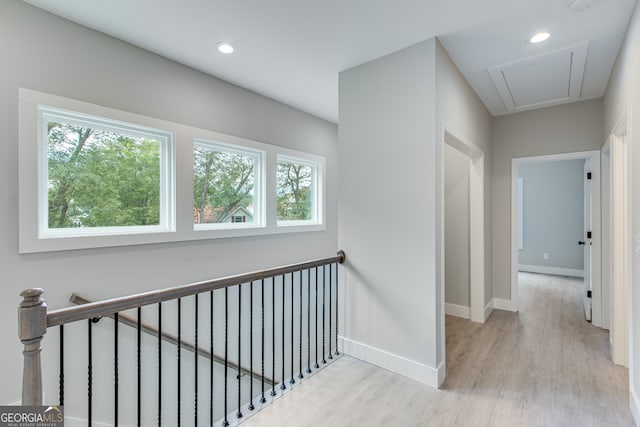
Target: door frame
x=594 y=157
x=478 y=312
x=621 y=244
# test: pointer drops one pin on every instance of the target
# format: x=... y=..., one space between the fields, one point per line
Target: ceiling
x=292 y=50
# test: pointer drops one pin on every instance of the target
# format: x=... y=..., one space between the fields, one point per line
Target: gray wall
x=624 y=92
x=49 y=54
x=387 y=157
x=460 y=111
x=393 y=112
x=554 y=130
x=553 y=216
x=456 y=227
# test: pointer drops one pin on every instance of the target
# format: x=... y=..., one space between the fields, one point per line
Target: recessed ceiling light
x=225 y=47
x=580 y=5
x=539 y=37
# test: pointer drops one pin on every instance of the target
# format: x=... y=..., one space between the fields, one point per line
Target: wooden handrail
x=115 y=305
x=171 y=339
x=34 y=319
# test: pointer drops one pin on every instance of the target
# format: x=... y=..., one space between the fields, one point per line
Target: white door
x=586 y=240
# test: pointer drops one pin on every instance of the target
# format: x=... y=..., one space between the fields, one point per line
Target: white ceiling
x=293 y=50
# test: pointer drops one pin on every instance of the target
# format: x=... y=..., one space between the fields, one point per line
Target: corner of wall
x=433 y=377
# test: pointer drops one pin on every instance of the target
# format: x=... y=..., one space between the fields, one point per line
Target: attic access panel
x=541 y=81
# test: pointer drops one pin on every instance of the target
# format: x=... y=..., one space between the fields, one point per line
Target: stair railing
x=283 y=294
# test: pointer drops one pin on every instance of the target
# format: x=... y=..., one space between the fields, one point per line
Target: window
x=297 y=191
x=100 y=177
x=224 y=181
x=93 y=177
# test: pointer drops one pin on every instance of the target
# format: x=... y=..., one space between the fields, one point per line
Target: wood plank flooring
x=543 y=366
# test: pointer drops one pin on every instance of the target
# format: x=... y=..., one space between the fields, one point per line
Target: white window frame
x=167 y=189
x=179 y=177
x=317 y=186
x=258 y=157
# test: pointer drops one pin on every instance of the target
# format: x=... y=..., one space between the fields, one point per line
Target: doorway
x=589 y=162
x=469 y=236
x=616 y=274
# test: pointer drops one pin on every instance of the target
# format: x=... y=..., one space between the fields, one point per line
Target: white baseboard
x=416 y=371
x=504 y=304
x=634 y=403
x=488 y=309
x=457 y=310
x=556 y=271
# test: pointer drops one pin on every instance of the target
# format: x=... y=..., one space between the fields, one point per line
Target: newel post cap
x=32 y=315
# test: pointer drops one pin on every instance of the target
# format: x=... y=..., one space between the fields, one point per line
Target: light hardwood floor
x=543 y=366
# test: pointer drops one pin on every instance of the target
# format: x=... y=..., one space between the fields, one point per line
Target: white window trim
x=259 y=157
x=317 y=190
x=181 y=179
x=167 y=168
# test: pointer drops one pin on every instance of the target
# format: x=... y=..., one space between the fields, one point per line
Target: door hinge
x=588 y=234
x=588 y=175
x=588 y=294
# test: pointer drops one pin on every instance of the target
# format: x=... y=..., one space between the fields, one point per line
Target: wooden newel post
x=33 y=325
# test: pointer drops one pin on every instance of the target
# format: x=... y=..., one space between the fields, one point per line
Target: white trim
x=621 y=335
x=594 y=157
x=504 y=304
x=417 y=371
x=520 y=213
x=317 y=187
x=457 y=310
x=488 y=309
x=634 y=403
x=578 y=54
x=476 y=220
x=555 y=271
x=182 y=179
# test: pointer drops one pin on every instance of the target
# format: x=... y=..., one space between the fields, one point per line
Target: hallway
x=543 y=366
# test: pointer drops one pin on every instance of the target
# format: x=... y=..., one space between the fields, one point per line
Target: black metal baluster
x=195 y=361
x=61 y=371
x=262 y=398
x=330 y=310
x=225 y=422
x=273 y=336
x=300 y=329
x=283 y=385
x=179 y=361
x=308 y=321
x=292 y=380
x=159 y=364
x=251 y=407
x=139 y=367
x=315 y=365
x=239 y=413
x=337 y=316
x=211 y=359
x=324 y=291
x=90 y=375
x=115 y=369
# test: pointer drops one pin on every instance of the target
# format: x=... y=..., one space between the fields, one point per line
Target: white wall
x=623 y=93
x=456 y=225
x=554 y=130
x=553 y=220
x=460 y=111
x=393 y=113
x=387 y=165
x=49 y=54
